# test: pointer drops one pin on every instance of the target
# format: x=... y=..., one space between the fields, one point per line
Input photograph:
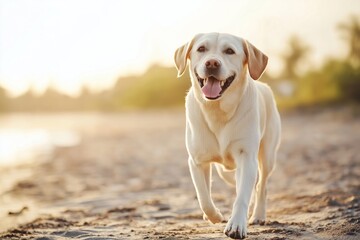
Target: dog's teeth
x=222 y=83
x=205 y=80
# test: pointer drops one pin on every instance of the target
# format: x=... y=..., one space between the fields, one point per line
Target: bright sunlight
x=67 y=44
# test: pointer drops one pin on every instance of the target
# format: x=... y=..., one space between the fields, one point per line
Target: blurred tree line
x=336 y=81
x=156 y=88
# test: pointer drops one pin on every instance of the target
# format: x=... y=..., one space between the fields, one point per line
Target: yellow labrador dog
x=231 y=122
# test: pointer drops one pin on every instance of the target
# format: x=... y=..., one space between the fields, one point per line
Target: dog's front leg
x=246 y=170
x=200 y=174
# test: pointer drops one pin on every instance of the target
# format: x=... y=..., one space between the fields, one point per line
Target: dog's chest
x=213 y=135
x=215 y=142
x=227 y=138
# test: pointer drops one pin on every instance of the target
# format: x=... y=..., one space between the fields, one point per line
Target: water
x=25 y=138
x=24 y=145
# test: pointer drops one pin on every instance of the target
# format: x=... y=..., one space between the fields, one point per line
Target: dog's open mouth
x=212 y=87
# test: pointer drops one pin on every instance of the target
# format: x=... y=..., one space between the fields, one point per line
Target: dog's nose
x=212 y=64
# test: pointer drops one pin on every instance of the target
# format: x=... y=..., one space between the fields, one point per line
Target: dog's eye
x=229 y=51
x=201 y=49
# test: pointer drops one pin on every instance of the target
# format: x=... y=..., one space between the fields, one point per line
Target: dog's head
x=218 y=63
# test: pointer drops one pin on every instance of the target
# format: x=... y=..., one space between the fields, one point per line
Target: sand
x=127 y=178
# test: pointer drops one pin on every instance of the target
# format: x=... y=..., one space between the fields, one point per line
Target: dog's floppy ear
x=256 y=60
x=182 y=54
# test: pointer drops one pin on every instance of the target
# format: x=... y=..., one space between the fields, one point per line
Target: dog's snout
x=212 y=64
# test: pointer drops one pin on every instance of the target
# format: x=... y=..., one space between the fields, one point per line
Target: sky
x=70 y=43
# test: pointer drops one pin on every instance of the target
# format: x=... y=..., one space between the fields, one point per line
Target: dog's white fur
x=238 y=132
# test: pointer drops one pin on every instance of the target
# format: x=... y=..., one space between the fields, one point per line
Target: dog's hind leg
x=267 y=156
x=227 y=176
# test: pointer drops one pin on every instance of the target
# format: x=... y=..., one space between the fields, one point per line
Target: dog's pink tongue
x=212 y=88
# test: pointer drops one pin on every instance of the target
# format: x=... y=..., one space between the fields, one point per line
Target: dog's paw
x=214 y=218
x=257 y=218
x=256 y=221
x=236 y=228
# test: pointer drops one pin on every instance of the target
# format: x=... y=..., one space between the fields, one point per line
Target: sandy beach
x=125 y=176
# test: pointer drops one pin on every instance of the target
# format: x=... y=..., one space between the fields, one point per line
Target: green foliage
x=336 y=82
x=349 y=82
x=319 y=86
x=158 y=87
x=293 y=57
x=351 y=33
